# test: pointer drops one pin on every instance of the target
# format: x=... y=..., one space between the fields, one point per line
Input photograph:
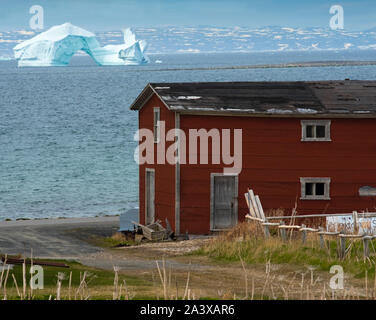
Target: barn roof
x=347 y=97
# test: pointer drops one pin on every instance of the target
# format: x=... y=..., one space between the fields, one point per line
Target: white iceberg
x=131 y=52
x=56 y=46
x=2 y=58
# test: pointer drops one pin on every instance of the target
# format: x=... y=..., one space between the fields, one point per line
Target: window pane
x=320 y=189
x=155 y=134
x=309 y=189
x=309 y=132
x=320 y=131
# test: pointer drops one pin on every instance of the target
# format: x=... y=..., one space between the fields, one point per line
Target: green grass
x=260 y=251
x=96 y=279
x=117 y=240
x=112 y=243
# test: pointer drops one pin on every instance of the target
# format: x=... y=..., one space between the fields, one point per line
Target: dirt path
x=144 y=256
x=54 y=238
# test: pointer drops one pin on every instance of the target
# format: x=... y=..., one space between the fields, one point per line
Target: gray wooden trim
x=236 y=195
x=177 y=178
x=270 y=115
x=146 y=186
x=157 y=135
x=326 y=195
x=149 y=91
x=325 y=123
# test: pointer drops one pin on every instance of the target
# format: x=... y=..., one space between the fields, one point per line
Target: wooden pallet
x=153 y=231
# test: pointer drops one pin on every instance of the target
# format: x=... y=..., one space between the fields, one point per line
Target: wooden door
x=224 y=202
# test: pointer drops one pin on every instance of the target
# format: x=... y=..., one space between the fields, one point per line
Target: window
x=315 y=188
x=156 y=128
x=315 y=130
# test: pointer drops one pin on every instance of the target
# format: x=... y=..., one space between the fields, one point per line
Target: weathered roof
x=346 y=97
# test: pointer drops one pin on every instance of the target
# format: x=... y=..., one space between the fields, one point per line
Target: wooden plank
x=325 y=233
x=322 y=241
x=351 y=236
x=356 y=222
x=282 y=231
x=253 y=218
x=266 y=232
x=12 y=260
x=259 y=206
x=309 y=229
x=304 y=233
x=142 y=226
x=323 y=215
x=342 y=249
x=250 y=207
x=254 y=204
x=289 y=227
x=246 y=199
x=365 y=247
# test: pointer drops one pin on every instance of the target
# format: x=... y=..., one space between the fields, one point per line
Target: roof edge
x=144 y=97
x=279 y=115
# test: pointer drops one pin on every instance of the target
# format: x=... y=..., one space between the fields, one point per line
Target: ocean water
x=66 y=134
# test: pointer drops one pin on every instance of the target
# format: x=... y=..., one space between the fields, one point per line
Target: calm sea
x=66 y=134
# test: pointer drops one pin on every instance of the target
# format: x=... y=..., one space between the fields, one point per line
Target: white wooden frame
x=156 y=125
x=326 y=182
x=146 y=192
x=315 y=123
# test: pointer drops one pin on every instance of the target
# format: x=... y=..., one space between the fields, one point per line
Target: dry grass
x=253 y=268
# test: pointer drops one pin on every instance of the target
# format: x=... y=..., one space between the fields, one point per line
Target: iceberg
x=132 y=52
x=57 y=45
x=2 y=58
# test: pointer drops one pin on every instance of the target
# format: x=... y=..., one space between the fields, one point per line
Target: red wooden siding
x=274 y=159
x=164 y=174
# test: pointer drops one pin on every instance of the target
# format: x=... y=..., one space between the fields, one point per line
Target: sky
x=105 y=15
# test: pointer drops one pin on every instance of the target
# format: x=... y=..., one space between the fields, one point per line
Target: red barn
x=310 y=143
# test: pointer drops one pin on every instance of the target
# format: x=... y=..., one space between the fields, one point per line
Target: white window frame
x=326 y=182
x=315 y=123
x=156 y=124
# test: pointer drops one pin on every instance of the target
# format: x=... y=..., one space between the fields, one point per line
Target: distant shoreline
x=57 y=221
x=311 y=64
x=304 y=64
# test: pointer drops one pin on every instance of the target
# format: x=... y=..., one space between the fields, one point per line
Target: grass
x=246 y=242
x=116 y=240
x=80 y=282
x=99 y=284
x=246 y=267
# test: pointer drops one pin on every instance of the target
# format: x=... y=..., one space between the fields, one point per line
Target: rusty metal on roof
x=342 y=97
